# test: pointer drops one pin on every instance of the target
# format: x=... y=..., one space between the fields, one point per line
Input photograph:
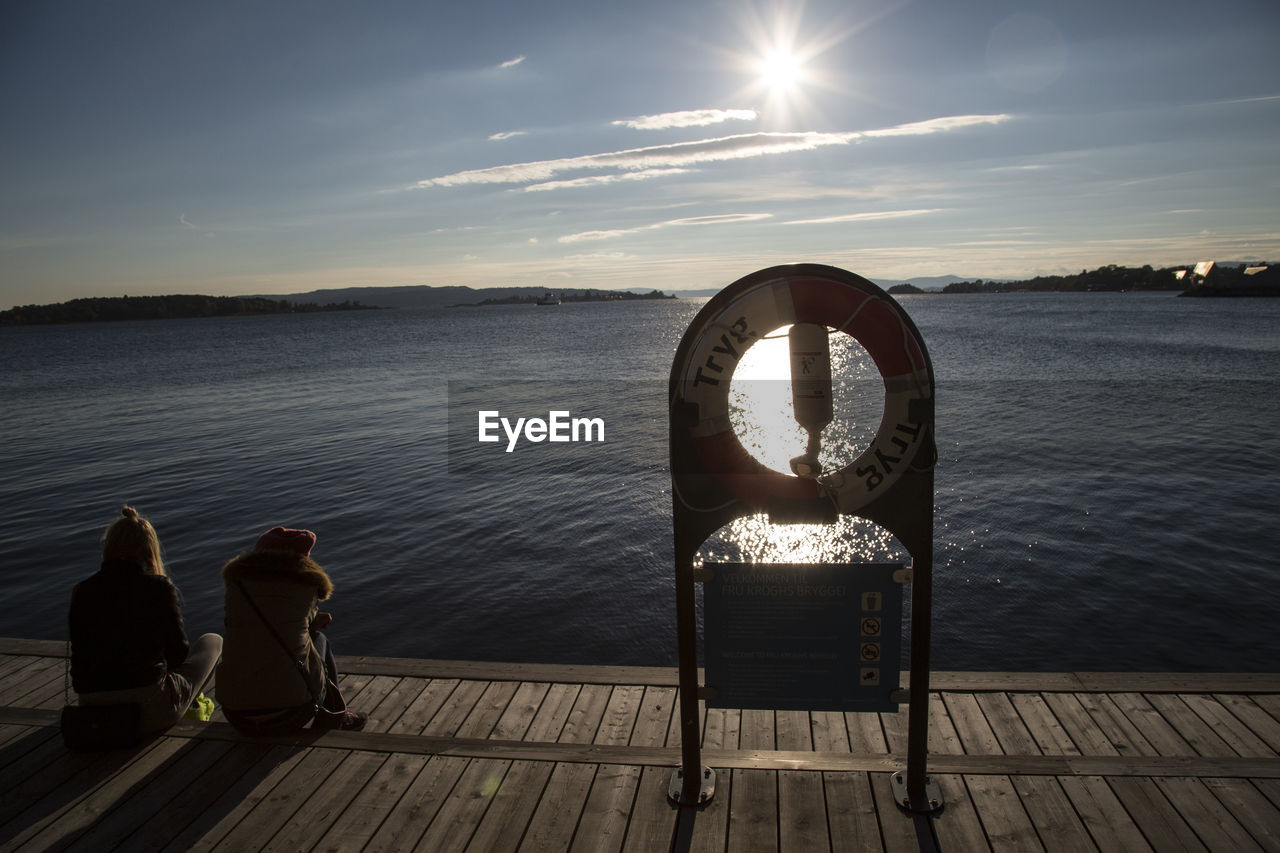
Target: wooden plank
x=603 y=825
x=456 y=709
x=1079 y=725
x=552 y=714
x=867 y=733
x=1156 y=731
x=653 y=815
x=513 y=806
x=375 y=801
x=417 y=808
x=829 y=732
x=802 y=813
x=901 y=832
x=288 y=795
x=1118 y=728
x=555 y=820
x=1215 y=827
x=588 y=711
x=520 y=712
x=1255 y=717
x=243 y=797
x=1259 y=815
x=620 y=715
x=1050 y=735
x=1194 y=730
x=851 y=813
x=488 y=709
x=394 y=705
x=66 y=823
x=653 y=717
x=1052 y=814
x=1159 y=821
x=153 y=801
x=1227 y=726
x=1012 y=735
x=326 y=804
x=414 y=719
x=753 y=812
x=464 y=808
x=1103 y=815
x=957 y=825
x=976 y=736
x=1004 y=820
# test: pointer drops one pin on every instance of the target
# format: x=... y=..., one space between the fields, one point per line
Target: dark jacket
x=257 y=672
x=126 y=628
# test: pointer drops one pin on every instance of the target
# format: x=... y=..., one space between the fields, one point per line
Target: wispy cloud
x=597 y=180
x=935 y=125
x=685 y=118
x=862 y=217
x=716 y=219
x=683 y=154
x=512 y=63
x=182 y=219
x=506 y=134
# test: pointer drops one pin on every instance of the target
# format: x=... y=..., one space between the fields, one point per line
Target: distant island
x=539 y=297
x=114 y=308
x=1203 y=279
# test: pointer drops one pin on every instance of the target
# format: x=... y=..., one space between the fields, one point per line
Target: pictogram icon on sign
x=871 y=676
x=871 y=601
x=871 y=626
x=870 y=651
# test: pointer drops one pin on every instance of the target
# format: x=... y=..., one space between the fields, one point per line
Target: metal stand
x=708 y=484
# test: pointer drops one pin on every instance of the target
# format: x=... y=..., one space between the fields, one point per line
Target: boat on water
x=549 y=298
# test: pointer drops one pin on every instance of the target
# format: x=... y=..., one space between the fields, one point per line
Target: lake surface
x=1107 y=492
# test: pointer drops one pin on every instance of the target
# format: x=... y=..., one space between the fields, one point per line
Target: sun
x=781 y=71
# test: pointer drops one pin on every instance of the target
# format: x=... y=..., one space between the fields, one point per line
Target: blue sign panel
x=803 y=637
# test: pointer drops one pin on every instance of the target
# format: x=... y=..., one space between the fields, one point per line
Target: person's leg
x=331 y=699
x=191 y=677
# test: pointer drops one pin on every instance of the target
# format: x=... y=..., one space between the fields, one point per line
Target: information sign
x=802 y=637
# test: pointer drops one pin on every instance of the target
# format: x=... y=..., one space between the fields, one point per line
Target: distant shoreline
x=111 y=309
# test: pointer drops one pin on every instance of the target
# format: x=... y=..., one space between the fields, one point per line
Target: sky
x=238 y=148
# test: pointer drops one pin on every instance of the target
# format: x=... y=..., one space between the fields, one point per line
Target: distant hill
x=112 y=308
x=447 y=296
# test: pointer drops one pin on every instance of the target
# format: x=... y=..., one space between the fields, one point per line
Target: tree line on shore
x=109 y=308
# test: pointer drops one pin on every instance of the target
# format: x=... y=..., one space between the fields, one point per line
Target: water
x=1106 y=490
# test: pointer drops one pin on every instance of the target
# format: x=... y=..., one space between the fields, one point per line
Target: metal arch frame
x=905 y=508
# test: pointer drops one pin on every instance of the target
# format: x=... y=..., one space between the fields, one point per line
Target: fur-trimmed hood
x=278 y=565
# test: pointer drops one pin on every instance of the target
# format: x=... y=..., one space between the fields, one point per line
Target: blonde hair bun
x=129 y=512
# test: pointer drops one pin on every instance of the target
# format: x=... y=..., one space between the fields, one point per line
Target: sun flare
x=781 y=70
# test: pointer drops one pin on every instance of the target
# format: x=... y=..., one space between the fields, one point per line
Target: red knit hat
x=285 y=539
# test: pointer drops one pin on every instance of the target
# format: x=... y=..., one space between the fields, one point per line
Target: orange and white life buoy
x=780 y=296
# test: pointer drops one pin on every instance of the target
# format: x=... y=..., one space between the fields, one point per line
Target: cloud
x=650 y=157
x=506 y=134
x=512 y=63
x=182 y=218
x=716 y=219
x=597 y=180
x=862 y=217
x=935 y=125
x=683 y=154
x=685 y=118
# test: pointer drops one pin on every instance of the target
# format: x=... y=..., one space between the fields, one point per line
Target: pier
x=477 y=756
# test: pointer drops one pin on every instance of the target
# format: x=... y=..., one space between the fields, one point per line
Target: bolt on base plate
x=706 y=787
x=932 y=795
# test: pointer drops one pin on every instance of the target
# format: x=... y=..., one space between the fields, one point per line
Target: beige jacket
x=256 y=673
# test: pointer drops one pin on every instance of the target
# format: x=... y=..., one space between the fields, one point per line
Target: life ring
x=759 y=304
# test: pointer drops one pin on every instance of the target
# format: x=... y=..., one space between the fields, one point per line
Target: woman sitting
x=128 y=645
x=278 y=672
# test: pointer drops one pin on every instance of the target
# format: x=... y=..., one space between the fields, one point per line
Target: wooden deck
x=501 y=757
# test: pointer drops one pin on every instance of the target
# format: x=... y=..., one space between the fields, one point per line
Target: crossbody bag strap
x=300 y=665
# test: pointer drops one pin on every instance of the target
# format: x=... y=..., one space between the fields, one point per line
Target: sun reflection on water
x=761 y=413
